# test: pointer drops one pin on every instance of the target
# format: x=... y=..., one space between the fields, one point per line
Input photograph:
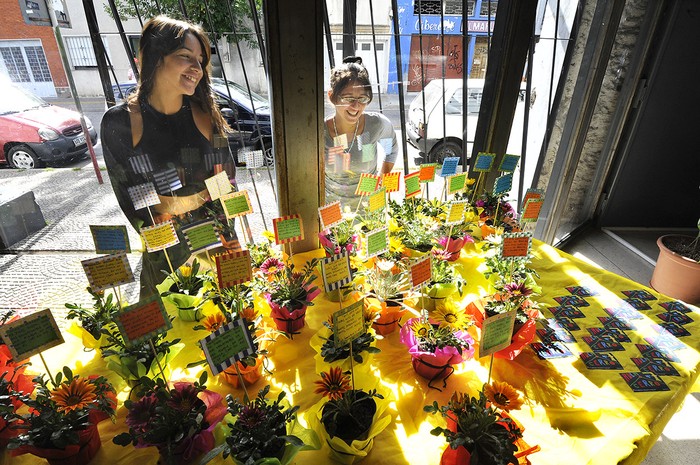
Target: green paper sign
x=236 y=204
x=412 y=184
x=348 y=323
x=457 y=183
x=496 y=333
x=201 y=236
x=30 y=335
x=367 y=185
x=288 y=229
x=377 y=242
x=227 y=345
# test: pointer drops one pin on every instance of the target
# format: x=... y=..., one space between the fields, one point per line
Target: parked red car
x=33 y=132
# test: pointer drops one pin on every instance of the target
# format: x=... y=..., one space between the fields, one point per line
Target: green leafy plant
x=187 y=279
x=286 y=287
x=57 y=413
x=101 y=315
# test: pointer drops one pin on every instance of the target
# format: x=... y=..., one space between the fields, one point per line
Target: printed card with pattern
x=677 y=306
x=600 y=361
x=644 y=382
x=650 y=351
x=676 y=317
x=612 y=332
x=658 y=366
x=640 y=294
x=574 y=300
x=566 y=311
x=603 y=343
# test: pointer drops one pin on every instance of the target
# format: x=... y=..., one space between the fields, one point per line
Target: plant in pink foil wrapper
x=178 y=420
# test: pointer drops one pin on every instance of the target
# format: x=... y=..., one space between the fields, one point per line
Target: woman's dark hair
x=162 y=36
x=351 y=71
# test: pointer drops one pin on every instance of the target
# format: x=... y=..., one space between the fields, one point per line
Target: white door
x=365 y=50
x=25 y=63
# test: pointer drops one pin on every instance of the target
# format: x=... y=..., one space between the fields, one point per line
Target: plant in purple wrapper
x=496 y=212
x=339 y=238
x=435 y=344
x=289 y=292
x=178 y=420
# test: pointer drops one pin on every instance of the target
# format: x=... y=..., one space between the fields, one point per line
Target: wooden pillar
x=295 y=52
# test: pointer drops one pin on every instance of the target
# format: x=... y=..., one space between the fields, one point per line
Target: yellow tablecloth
x=576 y=415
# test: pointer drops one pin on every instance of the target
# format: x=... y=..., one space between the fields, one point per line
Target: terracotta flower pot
x=250 y=374
x=675 y=275
x=389 y=317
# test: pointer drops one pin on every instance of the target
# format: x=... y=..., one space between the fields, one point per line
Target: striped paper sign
x=167 y=181
x=288 y=229
x=227 y=345
x=336 y=271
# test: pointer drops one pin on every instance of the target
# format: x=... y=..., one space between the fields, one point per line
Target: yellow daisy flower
x=269 y=235
x=448 y=315
x=503 y=395
x=421 y=328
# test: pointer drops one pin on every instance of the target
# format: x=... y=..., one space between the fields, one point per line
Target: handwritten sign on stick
x=348 y=323
x=330 y=214
x=390 y=181
x=376 y=242
x=368 y=183
x=412 y=183
x=110 y=239
x=449 y=166
x=503 y=184
x=516 y=245
x=336 y=271
x=496 y=333
x=143 y=195
x=455 y=214
x=201 y=236
x=218 y=185
x=427 y=172
x=236 y=204
x=531 y=210
x=160 y=236
x=421 y=271
x=30 y=335
x=227 y=345
x=509 y=163
x=377 y=201
x=145 y=319
x=233 y=268
x=456 y=183
x=484 y=162
x=108 y=271
x=288 y=229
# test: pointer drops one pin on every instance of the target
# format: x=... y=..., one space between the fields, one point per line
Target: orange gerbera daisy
x=79 y=394
x=249 y=314
x=214 y=322
x=503 y=395
x=333 y=383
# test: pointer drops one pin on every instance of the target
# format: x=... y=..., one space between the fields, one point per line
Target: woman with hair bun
x=169 y=133
x=356 y=141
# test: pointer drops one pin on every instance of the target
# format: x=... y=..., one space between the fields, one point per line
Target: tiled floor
x=632 y=253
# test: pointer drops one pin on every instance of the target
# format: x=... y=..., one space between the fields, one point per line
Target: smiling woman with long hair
x=169 y=134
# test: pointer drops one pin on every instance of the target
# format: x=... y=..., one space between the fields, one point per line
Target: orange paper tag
x=330 y=215
x=421 y=271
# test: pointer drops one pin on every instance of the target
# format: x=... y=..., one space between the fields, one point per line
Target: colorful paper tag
x=218 y=185
x=376 y=242
x=369 y=151
x=531 y=210
x=143 y=195
x=341 y=140
x=336 y=271
x=30 y=335
x=421 y=271
x=110 y=239
x=140 y=322
x=456 y=183
x=233 y=268
x=533 y=194
x=516 y=245
x=455 y=214
x=484 y=162
x=288 y=229
x=377 y=200
x=348 y=323
x=509 y=163
x=236 y=204
x=201 y=236
x=427 y=172
x=160 y=236
x=496 y=333
x=108 y=271
x=412 y=183
x=330 y=215
x=390 y=181
x=227 y=345
x=449 y=166
x=368 y=184
x=502 y=184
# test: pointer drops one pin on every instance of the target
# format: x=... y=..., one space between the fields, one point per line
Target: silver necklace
x=354 y=136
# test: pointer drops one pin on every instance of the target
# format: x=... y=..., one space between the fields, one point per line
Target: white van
x=440 y=137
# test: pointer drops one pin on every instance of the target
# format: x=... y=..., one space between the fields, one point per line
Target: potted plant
x=445 y=281
x=387 y=282
x=495 y=213
x=416 y=226
x=438 y=343
x=263 y=431
x=232 y=303
x=479 y=430
x=677 y=271
x=184 y=289
x=93 y=320
x=12 y=379
x=288 y=292
x=261 y=251
x=327 y=353
x=61 y=424
x=133 y=362
x=349 y=419
x=178 y=420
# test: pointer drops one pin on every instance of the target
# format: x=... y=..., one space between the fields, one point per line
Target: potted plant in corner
x=677 y=271
x=61 y=424
x=350 y=419
x=184 y=289
x=93 y=320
